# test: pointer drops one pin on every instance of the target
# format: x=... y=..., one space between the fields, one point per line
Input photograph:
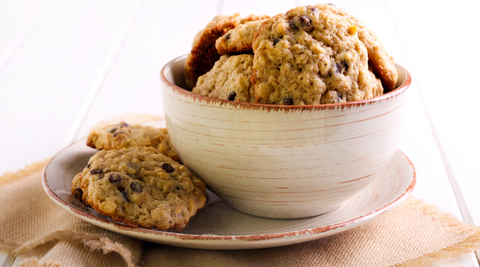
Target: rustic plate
x=220 y=227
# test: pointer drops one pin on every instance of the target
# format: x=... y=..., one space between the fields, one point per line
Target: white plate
x=220 y=227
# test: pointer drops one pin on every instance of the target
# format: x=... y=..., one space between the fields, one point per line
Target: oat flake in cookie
x=141 y=187
x=306 y=52
x=123 y=135
x=229 y=79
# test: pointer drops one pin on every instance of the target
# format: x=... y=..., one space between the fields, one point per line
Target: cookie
x=382 y=63
x=238 y=40
x=124 y=135
x=140 y=187
x=203 y=55
x=253 y=17
x=332 y=96
x=77 y=189
x=229 y=79
x=304 y=53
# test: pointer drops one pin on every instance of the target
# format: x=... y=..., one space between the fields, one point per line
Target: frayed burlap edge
x=469 y=244
x=90 y=242
x=9 y=177
x=33 y=262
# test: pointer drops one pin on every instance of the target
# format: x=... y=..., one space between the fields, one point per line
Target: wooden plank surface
x=156 y=37
x=441 y=50
x=18 y=20
x=45 y=83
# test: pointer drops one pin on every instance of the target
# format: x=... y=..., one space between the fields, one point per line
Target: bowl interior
x=174 y=72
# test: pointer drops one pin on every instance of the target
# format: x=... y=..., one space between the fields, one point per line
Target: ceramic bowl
x=281 y=161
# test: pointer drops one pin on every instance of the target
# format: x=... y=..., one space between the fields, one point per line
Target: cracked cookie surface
x=124 y=135
x=306 y=52
x=140 y=187
x=229 y=79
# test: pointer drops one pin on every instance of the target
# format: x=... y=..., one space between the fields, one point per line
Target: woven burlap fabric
x=413 y=234
x=28 y=218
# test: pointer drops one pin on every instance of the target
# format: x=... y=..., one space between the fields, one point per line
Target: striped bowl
x=280 y=161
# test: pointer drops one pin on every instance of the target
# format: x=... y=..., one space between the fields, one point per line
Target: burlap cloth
x=411 y=235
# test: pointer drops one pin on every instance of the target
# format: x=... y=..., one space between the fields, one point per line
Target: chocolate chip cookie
x=253 y=17
x=238 y=40
x=140 y=187
x=382 y=63
x=124 y=135
x=203 y=55
x=306 y=52
x=229 y=79
x=332 y=96
x=77 y=189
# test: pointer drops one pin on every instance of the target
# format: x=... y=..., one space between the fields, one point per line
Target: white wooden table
x=67 y=65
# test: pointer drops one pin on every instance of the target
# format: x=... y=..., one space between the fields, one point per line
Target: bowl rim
x=256 y=106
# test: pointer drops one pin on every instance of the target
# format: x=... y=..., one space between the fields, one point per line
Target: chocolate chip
x=275 y=41
x=337 y=68
x=339 y=96
x=301 y=22
x=125 y=196
x=136 y=187
x=304 y=21
x=231 y=95
x=114 y=178
x=167 y=167
x=124 y=124
x=227 y=36
x=78 y=193
x=345 y=64
x=288 y=101
x=292 y=25
x=314 y=9
x=88 y=165
x=340 y=68
x=115 y=135
x=113 y=129
x=96 y=171
x=99 y=172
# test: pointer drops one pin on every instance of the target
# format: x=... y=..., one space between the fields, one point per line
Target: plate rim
x=100 y=222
